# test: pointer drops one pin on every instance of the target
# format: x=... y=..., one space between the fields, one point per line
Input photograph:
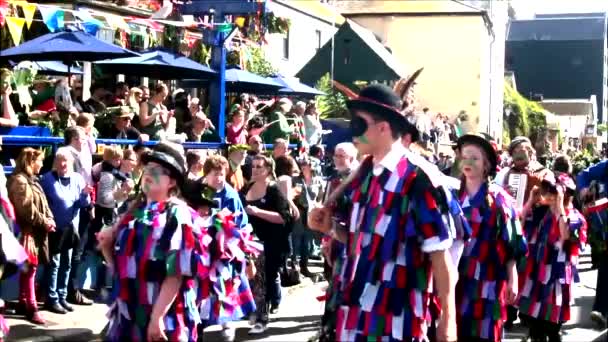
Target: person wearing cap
x=122 y=128
x=278 y=125
x=398 y=235
x=524 y=166
x=556 y=233
x=157 y=288
x=523 y=162
x=487 y=279
x=236 y=159
x=231 y=298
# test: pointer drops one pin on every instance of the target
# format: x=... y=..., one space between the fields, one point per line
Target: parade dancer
x=487 y=272
x=160 y=257
x=596 y=213
x=397 y=238
x=230 y=251
x=556 y=232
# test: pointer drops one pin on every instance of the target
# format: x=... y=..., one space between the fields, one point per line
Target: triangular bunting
x=15 y=28
x=3 y=11
x=89 y=24
x=52 y=17
x=117 y=22
x=28 y=13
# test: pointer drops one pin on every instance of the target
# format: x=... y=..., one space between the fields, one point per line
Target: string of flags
x=54 y=19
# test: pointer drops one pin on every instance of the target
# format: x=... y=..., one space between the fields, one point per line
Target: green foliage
x=332 y=105
x=582 y=160
x=201 y=53
x=171 y=38
x=257 y=62
x=527 y=118
x=276 y=24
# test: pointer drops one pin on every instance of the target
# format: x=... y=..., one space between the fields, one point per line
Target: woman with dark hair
x=270 y=218
x=556 y=232
x=488 y=274
x=159 y=255
x=35 y=220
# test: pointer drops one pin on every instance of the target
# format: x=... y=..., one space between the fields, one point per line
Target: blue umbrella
x=291 y=86
x=54 y=68
x=241 y=81
x=65 y=46
x=157 y=64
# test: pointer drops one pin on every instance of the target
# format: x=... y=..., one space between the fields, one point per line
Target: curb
x=602 y=337
x=61 y=336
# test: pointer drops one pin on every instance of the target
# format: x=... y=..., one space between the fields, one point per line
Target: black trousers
x=543 y=331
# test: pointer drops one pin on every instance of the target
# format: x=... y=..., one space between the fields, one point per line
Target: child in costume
x=488 y=272
x=160 y=256
x=230 y=295
x=12 y=254
x=556 y=231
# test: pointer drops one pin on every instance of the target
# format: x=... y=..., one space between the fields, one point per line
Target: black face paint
x=358 y=126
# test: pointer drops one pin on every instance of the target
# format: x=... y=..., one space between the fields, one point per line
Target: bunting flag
x=15 y=28
x=89 y=24
x=3 y=11
x=52 y=17
x=28 y=12
x=117 y=22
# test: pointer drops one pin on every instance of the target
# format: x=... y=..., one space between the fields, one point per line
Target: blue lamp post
x=218 y=39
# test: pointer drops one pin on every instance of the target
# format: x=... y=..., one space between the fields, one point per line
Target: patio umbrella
x=241 y=81
x=292 y=86
x=65 y=46
x=54 y=68
x=157 y=64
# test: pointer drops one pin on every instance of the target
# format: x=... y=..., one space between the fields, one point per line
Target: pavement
x=297 y=319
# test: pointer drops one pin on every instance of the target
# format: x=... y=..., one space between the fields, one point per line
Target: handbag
x=290 y=275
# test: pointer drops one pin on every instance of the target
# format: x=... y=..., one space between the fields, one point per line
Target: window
x=286 y=46
x=318 y=35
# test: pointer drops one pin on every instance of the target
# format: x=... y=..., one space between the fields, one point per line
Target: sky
x=526 y=9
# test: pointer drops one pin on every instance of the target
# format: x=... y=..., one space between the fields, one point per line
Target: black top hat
x=383 y=101
x=198 y=194
x=170 y=156
x=481 y=141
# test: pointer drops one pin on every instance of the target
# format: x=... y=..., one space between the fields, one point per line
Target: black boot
x=304 y=268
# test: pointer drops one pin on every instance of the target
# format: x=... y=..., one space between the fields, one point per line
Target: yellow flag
x=15 y=28
x=117 y=22
x=28 y=13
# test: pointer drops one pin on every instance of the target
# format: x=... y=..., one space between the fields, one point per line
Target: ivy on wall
x=522 y=117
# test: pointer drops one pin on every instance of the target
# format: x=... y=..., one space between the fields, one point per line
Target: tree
x=333 y=104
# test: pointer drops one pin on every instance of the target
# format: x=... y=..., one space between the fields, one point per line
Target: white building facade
x=312 y=25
